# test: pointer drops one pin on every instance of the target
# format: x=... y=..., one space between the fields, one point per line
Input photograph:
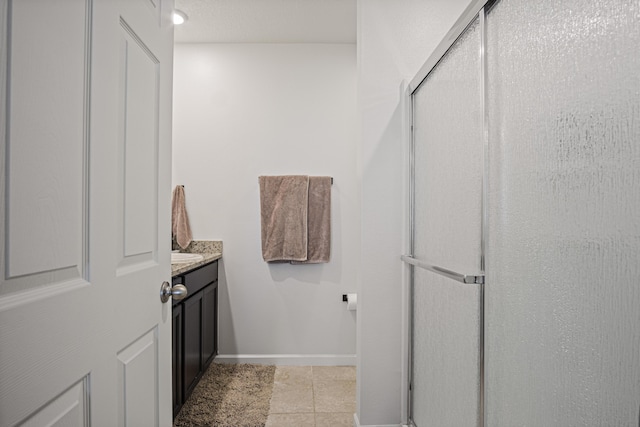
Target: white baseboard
x=356 y=423
x=289 y=359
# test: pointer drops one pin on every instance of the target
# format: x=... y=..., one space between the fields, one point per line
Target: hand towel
x=180 y=229
x=283 y=217
x=318 y=221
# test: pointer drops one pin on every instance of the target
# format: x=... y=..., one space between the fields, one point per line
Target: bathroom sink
x=182 y=258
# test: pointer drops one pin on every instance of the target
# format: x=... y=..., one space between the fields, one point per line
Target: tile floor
x=313 y=396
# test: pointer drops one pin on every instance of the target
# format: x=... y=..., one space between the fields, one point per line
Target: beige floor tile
x=292 y=390
x=334 y=396
x=334 y=420
x=344 y=373
x=290 y=420
x=293 y=374
x=299 y=391
x=287 y=399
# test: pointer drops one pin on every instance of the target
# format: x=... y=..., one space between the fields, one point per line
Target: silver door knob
x=178 y=292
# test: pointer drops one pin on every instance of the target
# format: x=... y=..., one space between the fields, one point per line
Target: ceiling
x=267 y=21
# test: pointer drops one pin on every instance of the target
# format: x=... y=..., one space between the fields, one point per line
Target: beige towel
x=319 y=221
x=180 y=229
x=283 y=217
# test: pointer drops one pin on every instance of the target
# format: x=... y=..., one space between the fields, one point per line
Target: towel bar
x=462 y=278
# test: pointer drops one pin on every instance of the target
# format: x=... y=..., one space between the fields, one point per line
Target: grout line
x=313 y=397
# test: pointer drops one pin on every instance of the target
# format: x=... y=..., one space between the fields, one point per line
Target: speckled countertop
x=210 y=249
x=183 y=267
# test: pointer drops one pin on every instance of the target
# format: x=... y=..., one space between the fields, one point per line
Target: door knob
x=178 y=292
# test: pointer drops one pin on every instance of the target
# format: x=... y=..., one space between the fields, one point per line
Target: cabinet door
x=177 y=358
x=209 y=325
x=192 y=313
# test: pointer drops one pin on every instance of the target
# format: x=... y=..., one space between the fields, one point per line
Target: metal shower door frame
x=476 y=9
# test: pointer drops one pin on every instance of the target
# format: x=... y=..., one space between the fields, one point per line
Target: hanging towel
x=284 y=203
x=180 y=229
x=319 y=221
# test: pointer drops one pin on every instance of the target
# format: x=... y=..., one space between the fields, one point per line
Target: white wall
x=394 y=39
x=244 y=110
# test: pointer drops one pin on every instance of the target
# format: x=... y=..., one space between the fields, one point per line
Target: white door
x=85 y=119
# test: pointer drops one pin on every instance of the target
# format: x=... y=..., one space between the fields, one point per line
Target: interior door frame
x=476 y=9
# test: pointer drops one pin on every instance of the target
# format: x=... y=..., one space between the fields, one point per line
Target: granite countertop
x=211 y=250
x=183 y=267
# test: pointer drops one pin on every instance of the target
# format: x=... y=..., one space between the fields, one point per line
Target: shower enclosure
x=525 y=218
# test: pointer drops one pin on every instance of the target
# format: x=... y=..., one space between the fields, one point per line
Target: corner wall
x=394 y=40
x=244 y=110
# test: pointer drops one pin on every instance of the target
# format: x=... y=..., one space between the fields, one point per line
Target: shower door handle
x=459 y=277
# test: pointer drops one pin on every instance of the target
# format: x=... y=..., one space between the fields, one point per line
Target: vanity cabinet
x=176 y=351
x=195 y=330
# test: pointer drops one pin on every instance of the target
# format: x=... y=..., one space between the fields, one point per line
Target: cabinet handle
x=178 y=292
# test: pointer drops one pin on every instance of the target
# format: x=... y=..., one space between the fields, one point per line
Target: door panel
x=52 y=208
x=564 y=270
x=209 y=322
x=138 y=147
x=177 y=358
x=71 y=408
x=137 y=375
x=447 y=348
x=448 y=141
x=80 y=260
x=448 y=179
x=192 y=315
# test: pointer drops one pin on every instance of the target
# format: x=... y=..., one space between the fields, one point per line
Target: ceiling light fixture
x=179 y=17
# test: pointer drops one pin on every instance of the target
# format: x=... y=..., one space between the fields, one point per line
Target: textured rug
x=229 y=396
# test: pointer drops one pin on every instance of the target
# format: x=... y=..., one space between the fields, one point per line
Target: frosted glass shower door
x=563 y=306
x=447 y=236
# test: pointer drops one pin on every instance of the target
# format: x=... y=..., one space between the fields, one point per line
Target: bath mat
x=229 y=395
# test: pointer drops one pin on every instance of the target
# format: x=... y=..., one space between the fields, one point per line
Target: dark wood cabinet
x=195 y=333
x=176 y=351
x=209 y=324
x=193 y=329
